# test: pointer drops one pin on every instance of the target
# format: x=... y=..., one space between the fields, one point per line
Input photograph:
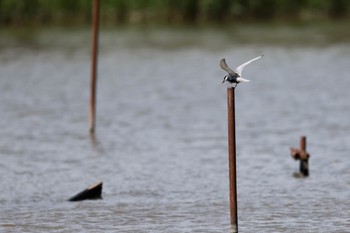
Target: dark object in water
x=91 y=193
x=303 y=156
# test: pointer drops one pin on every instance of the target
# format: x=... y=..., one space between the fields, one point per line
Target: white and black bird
x=234 y=76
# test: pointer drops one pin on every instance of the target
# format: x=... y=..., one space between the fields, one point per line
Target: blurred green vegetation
x=116 y=12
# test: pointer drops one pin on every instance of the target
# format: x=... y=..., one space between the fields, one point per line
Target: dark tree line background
x=118 y=12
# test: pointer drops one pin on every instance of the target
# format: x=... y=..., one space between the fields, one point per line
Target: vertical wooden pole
x=232 y=157
x=303 y=143
x=304 y=160
x=95 y=24
x=302 y=155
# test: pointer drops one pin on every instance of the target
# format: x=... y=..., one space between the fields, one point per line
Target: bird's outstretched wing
x=240 y=68
x=225 y=67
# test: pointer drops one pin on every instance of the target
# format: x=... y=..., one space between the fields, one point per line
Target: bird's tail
x=239 y=79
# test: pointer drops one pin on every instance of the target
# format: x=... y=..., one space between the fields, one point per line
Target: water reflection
x=96 y=144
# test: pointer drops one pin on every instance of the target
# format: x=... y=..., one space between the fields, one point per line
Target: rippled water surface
x=161 y=139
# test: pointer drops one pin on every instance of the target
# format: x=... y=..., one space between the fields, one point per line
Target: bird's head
x=225 y=79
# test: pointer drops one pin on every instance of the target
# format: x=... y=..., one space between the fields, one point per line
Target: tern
x=234 y=76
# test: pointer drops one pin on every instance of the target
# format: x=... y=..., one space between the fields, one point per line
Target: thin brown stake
x=232 y=157
x=95 y=24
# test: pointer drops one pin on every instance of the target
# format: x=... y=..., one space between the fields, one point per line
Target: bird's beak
x=223 y=81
